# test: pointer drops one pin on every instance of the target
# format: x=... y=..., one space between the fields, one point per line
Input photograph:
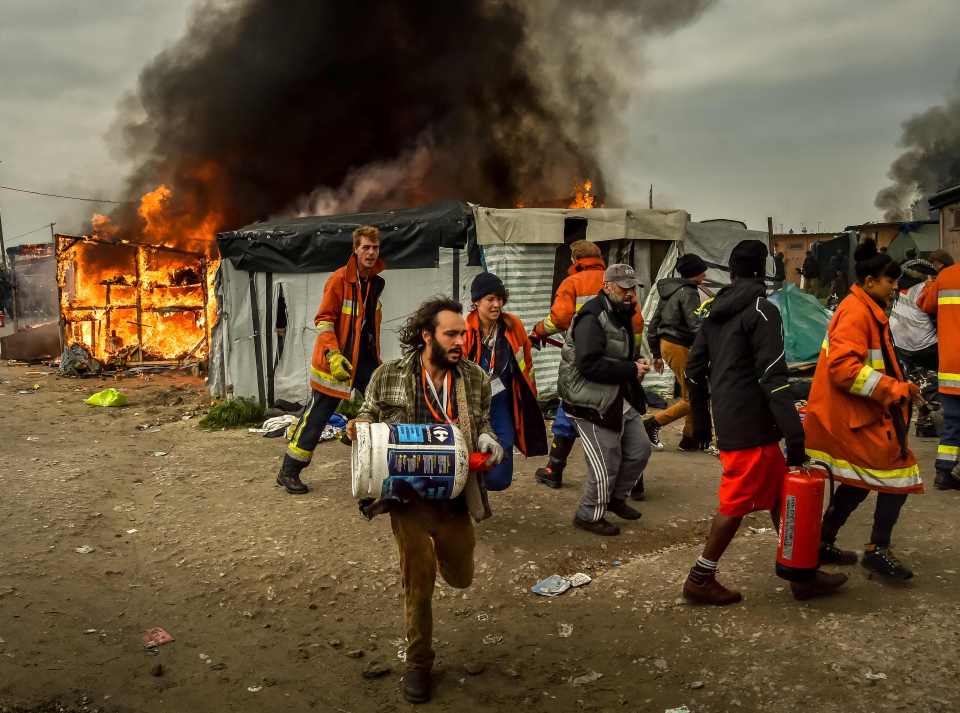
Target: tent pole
x=268 y=335
x=257 y=353
x=456 y=274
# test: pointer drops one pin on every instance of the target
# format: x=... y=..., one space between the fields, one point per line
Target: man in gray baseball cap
x=599 y=383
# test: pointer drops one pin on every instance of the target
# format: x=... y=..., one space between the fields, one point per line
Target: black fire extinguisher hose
x=826 y=467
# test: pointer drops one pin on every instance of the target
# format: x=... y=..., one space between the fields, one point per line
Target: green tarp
x=805 y=323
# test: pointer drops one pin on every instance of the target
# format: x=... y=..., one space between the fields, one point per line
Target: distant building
x=794 y=247
x=947 y=202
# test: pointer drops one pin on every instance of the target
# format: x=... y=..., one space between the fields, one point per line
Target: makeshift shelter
x=30 y=323
x=712 y=240
x=271 y=279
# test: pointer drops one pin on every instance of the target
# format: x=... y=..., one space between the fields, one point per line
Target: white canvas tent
x=433 y=250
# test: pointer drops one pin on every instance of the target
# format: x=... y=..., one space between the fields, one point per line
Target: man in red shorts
x=737 y=362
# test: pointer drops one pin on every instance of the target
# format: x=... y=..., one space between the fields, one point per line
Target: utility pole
x=651 y=197
x=3 y=248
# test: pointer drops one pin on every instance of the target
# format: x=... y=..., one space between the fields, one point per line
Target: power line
x=45 y=226
x=71 y=198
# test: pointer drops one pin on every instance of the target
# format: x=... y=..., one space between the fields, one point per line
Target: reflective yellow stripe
x=549 y=327
x=866 y=381
x=948 y=453
x=521 y=363
x=324 y=326
x=347 y=307
x=950 y=381
x=826 y=345
x=875 y=359
x=894 y=478
x=948 y=300
x=326 y=381
x=299 y=453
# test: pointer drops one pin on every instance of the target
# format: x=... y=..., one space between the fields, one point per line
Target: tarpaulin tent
x=805 y=323
x=271 y=279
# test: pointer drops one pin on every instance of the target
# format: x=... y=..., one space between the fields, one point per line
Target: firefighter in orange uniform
x=858 y=415
x=583 y=282
x=346 y=351
x=498 y=342
x=941 y=298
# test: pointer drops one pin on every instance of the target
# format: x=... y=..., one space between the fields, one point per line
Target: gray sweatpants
x=615 y=461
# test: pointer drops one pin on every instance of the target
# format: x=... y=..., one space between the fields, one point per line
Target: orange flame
x=582 y=195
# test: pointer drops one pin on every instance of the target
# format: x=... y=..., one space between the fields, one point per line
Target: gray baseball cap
x=622 y=275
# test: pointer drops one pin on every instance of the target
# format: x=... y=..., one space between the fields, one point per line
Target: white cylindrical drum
x=431 y=458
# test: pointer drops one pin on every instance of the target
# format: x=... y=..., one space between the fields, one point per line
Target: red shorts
x=752 y=479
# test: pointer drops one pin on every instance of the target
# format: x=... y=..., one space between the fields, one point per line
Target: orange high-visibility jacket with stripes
x=855 y=389
x=941 y=298
x=531 y=435
x=583 y=283
x=338 y=322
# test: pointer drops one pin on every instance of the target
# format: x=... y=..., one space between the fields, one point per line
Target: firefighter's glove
x=535 y=341
x=488 y=444
x=796 y=455
x=340 y=367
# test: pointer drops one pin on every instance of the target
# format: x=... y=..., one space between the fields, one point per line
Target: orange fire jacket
x=531 y=434
x=338 y=322
x=583 y=283
x=855 y=399
x=941 y=298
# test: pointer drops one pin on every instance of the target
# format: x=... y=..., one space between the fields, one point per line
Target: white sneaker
x=712 y=450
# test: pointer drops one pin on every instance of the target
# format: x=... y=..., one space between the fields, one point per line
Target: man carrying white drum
x=432 y=383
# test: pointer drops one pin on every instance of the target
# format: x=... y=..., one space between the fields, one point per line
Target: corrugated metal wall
x=527 y=271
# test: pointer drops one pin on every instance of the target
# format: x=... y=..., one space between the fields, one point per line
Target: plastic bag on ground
x=107 y=397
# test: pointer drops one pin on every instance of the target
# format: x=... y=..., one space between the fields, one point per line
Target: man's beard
x=621 y=307
x=439 y=356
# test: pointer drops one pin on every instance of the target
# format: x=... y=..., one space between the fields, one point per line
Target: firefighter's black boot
x=552 y=474
x=289 y=476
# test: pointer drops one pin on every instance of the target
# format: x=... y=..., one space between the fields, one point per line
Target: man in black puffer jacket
x=738 y=363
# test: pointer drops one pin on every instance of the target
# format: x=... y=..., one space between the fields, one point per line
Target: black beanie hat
x=690 y=265
x=749 y=259
x=486 y=283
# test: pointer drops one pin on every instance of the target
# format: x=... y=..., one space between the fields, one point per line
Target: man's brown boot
x=822 y=583
x=710 y=592
x=416 y=685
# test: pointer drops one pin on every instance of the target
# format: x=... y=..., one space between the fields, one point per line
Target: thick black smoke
x=931 y=162
x=311 y=105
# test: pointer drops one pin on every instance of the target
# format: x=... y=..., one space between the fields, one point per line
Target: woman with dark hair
x=498 y=342
x=858 y=415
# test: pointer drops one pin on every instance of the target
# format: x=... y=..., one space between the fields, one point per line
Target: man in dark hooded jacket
x=670 y=335
x=738 y=363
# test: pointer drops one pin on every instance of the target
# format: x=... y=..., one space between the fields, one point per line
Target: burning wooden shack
x=131 y=302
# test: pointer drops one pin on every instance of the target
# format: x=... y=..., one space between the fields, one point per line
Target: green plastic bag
x=107 y=397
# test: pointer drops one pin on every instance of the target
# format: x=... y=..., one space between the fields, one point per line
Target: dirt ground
x=281 y=603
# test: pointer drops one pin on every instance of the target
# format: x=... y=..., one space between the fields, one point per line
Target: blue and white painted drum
x=431 y=458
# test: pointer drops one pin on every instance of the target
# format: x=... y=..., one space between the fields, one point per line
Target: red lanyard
x=429 y=395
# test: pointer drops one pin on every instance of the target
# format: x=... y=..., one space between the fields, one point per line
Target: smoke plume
x=931 y=162
x=267 y=107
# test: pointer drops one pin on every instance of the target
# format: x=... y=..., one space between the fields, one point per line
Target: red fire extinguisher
x=801 y=516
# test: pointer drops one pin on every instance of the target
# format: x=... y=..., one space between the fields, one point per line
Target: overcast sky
x=775 y=108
